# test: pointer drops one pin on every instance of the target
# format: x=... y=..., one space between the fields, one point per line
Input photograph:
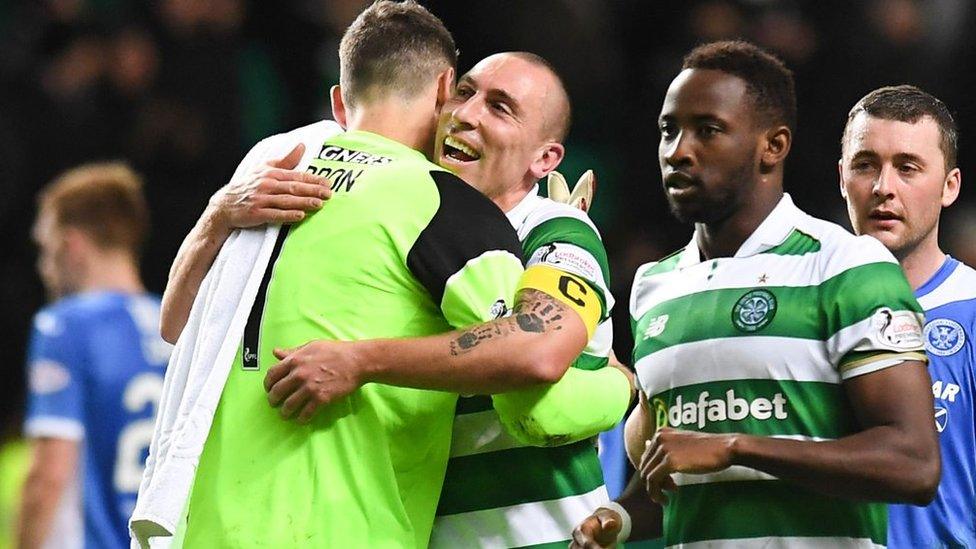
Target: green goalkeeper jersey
x=402 y=249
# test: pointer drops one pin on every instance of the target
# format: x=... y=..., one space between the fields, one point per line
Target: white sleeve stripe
x=863 y=336
x=873 y=367
x=554 y=210
x=54 y=427
x=586 y=260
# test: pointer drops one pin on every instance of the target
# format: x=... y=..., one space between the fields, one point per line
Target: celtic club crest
x=754 y=311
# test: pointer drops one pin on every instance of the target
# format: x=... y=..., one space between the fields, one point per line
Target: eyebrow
x=495 y=93
x=696 y=118
x=862 y=154
x=899 y=157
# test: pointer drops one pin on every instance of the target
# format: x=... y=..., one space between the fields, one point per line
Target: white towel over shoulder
x=202 y=358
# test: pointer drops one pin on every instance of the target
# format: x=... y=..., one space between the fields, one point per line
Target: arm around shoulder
x=581 y=405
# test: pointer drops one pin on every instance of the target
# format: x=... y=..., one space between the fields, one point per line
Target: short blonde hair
x=103 y=199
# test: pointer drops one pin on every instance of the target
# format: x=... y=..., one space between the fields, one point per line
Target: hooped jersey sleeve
x=571 y=245
x=468 y=256
x=55 y=402
x=567 y=260
x=873 y=320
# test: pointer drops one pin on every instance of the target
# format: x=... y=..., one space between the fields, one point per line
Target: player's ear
x=775 y=147
x=951 y=187
x=338 y=106
x=77 y=244
x=547 y=159
x=445 y=86
x=840 y=177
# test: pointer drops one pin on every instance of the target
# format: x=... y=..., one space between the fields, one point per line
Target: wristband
x=625 y=523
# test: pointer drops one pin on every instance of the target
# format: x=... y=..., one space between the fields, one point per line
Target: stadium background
x=182 y=88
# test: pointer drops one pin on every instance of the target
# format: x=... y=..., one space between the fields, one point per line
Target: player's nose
x=678 y=152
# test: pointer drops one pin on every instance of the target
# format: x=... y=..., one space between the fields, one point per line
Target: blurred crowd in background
x=182 y=88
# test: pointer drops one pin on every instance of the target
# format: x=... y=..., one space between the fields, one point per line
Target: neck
x=408 y=122
x=113 y=270
x=511 y=198
x=922 y=261
x=724 y=238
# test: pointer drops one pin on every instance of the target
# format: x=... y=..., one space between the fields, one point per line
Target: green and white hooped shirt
x=500 y=493
x=761 y=343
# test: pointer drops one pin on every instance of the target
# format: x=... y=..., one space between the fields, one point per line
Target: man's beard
x=719 y=204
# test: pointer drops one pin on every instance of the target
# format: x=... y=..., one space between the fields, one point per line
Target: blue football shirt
x=95 y=375
x=613 y=460
x=949 y=300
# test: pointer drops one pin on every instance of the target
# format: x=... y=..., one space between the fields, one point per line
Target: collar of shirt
x=772 y=232
x=948 y=266
x=375 y=140
x=521 y=211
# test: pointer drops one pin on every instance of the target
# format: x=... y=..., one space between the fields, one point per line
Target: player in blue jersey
x=96 y=363
x=897 y=171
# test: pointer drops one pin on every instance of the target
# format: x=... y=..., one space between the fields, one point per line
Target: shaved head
x=558 y=112
x=502 y=129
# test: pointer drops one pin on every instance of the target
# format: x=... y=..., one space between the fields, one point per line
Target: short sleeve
x=55 y=405
x=573 y=246
x=872 y=317
x=467 y=256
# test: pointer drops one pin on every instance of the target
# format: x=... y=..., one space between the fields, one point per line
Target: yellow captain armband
x=571 y=290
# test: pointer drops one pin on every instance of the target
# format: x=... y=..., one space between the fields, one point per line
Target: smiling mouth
x=461 y=152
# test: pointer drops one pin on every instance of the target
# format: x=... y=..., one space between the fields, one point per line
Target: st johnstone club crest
x=754 y=310
x=943 y=337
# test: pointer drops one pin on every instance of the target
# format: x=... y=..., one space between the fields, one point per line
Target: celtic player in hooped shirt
x=773 y=333
x=898 y=171
x=768 y=349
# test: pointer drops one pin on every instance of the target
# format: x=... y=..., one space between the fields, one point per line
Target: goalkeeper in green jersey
x=366 y=472
x=501 y=131
x=508 y=130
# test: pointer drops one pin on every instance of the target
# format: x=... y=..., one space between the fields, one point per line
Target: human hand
x=311 y=376
x=582 y=195
x=274 y=192
x=597 y=531
x=678 y=451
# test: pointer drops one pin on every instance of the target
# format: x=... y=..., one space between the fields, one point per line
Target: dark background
x=182 y=88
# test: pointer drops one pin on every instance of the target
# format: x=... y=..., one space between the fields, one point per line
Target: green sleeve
x=872 y=319
x=582 y=404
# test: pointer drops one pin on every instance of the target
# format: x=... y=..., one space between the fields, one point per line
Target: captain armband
x=569 y=289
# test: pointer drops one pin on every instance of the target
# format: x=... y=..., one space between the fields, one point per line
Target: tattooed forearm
x=472 y=337
x=537 y=311
x=534 y=311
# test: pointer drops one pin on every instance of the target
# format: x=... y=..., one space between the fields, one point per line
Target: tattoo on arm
x=534 y=311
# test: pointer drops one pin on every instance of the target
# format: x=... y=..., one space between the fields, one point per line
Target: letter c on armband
x=566 y=288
